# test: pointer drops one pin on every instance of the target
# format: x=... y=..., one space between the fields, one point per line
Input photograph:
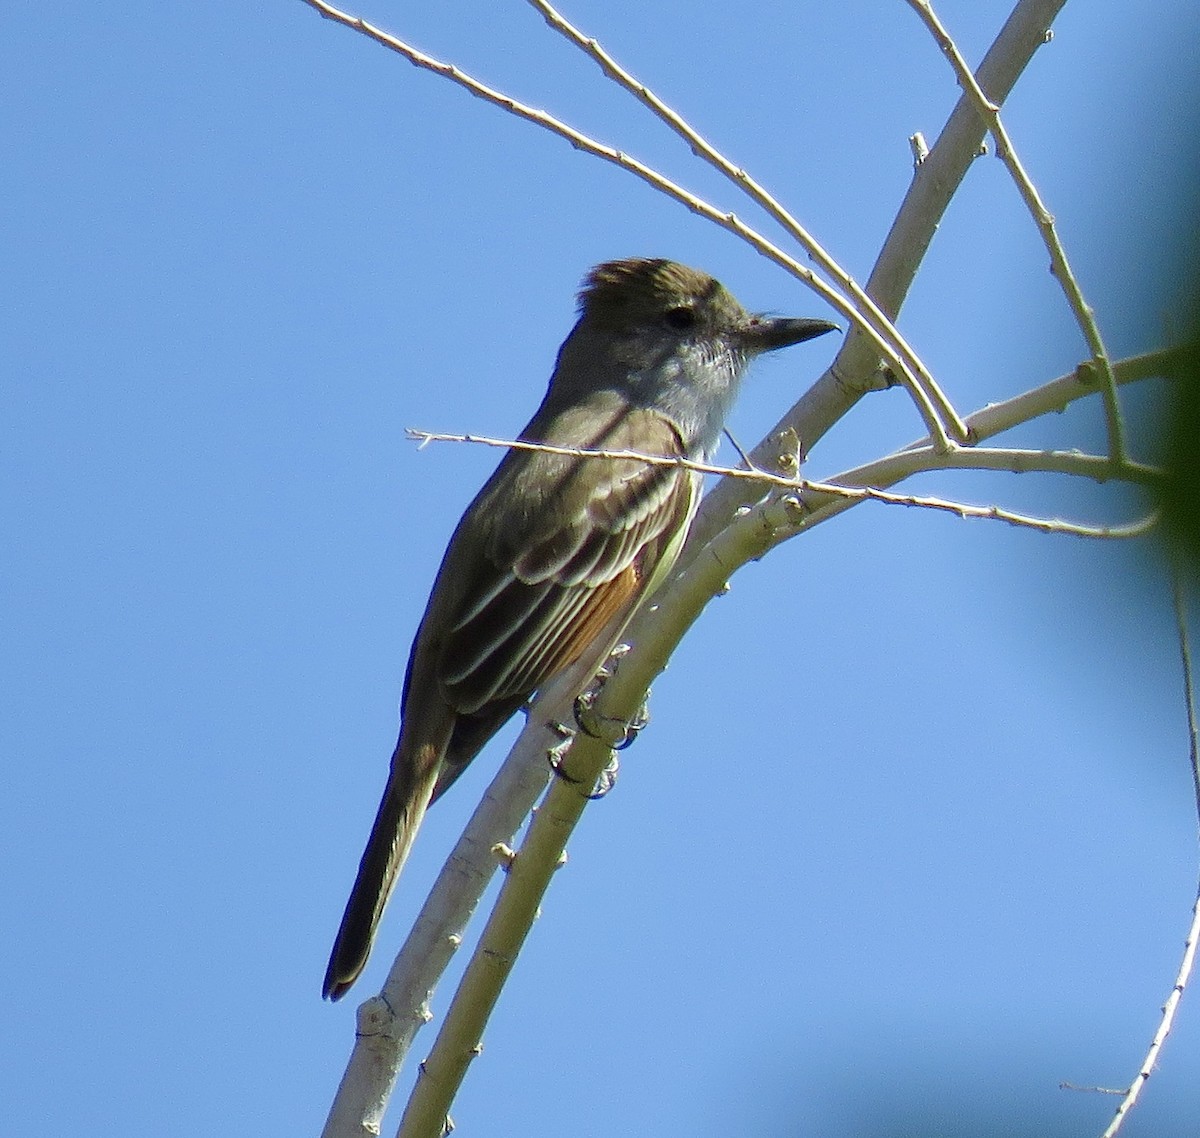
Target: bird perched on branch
x=555 y=552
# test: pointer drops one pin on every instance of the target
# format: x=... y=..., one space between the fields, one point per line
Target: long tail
x=407 y=794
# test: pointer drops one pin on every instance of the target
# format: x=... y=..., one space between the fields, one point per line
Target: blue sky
x=910 y=840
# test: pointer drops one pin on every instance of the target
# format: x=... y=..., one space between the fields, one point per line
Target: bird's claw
x=607 y=779
x=608 y=776
x=617 y=733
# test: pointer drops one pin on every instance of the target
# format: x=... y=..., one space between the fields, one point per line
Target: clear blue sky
x=910 y=839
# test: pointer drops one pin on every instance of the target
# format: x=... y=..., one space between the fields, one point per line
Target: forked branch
x=1043 y=218
x=887 y=342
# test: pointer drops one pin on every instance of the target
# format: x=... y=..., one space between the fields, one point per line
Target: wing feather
x=567 y=544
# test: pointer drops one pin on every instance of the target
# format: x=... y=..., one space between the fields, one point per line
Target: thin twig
x=1012 y=459
x=652 y=177
x=1059 y=393
x=1044 y=219
x=1097 y=467
x=702 y=148
x=1171 y=1006
x=1189 y=686
x=852 y=372
x=1138 y=528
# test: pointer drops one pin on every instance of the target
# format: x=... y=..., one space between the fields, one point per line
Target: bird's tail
x=407 y=794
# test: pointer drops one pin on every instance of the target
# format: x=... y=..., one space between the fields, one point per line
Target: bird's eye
x=680 y=318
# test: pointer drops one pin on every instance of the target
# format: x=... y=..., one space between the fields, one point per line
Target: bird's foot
x=557 y=754
x=616 y=733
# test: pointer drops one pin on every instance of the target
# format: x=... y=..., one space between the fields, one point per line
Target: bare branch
x=702 y=148
x=526 y=880
x=913 y=460
x=1096 y=466
x=1171 y=1006
x=729 y=221
x=855 y=370
x=1058 y=394
x=1044 y=219
x=655 y=633
x=1138 y=528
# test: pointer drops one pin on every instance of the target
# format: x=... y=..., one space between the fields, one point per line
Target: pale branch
x=654 y=633
x=991 y=420
x=697 y=205
x=1171 y=1005
x=1015 y=460
x=1165 y=1023
x=823 y=501
x=1097 y=467
x=657 y=629
x=922 y=456
x=1043 y=218
x=914 y=461
x=526 y=879
x=1140 y=527
x=702 y=148
x=1051 y=397
x=389 y=1022
x=855 y=369
x=1060 y=393
x=580 y=762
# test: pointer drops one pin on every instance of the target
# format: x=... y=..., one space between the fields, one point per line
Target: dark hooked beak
x=764 y=334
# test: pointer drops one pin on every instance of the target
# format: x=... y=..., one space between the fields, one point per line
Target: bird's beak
x=764 y=334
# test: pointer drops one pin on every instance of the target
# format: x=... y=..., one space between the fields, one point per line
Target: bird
x=556 y=550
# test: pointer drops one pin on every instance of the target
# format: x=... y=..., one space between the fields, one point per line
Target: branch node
x=505 y=855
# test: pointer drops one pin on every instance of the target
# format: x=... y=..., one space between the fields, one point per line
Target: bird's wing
x=568 y=543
